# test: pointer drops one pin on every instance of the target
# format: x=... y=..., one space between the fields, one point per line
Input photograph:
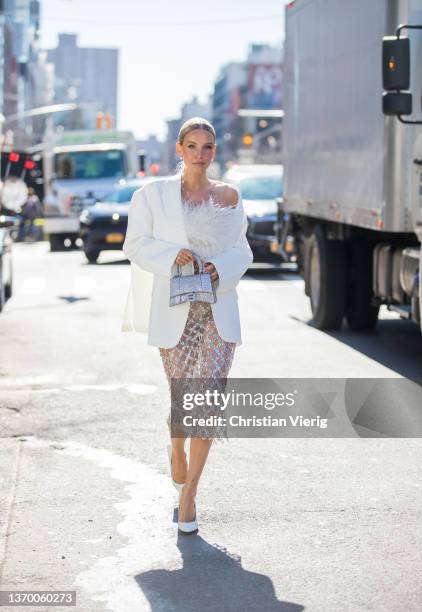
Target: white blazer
x=155 y=234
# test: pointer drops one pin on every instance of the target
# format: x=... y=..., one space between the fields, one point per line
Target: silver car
x=260 y=186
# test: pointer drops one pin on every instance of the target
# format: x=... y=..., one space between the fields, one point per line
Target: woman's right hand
x=184 y=256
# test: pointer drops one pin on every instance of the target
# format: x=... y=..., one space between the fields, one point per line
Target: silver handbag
x=192 y=287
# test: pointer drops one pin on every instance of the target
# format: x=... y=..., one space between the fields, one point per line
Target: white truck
x=80 y=167
x=353 y=173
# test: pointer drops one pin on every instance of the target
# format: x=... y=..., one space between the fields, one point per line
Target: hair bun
x=195 y=123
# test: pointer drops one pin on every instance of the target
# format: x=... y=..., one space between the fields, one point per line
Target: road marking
x=77 y=388
x=33 y=386
x=22 y=381
x=132 y=388
x=141 y=389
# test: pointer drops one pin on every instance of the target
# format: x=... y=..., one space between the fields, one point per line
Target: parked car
x=6 y=275
x=103 y=225
x=260 y=186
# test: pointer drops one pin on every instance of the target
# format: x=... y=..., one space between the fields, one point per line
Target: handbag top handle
x=198 y=261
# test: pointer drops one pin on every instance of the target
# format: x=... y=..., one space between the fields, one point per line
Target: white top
x=209 y=226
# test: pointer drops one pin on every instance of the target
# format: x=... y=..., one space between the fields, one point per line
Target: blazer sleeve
x=151 y=254
x=232 y=263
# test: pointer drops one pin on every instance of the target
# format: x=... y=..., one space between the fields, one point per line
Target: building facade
x=264 y=93
x=19 y=36
x=255 y=86
x=86 y=75
x=229 y=89
x=173 y=127
x=153 y=155
x=194 y=108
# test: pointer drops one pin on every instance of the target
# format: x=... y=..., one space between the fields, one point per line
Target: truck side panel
x=334 y=130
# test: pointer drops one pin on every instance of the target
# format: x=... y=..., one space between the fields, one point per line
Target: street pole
x=1 y=142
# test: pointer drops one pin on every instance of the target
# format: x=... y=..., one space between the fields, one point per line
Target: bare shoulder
x=226 y=194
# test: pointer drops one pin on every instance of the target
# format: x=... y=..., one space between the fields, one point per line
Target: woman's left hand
x=209 y=267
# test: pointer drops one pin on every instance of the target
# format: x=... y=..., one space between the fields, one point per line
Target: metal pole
x=1 y=141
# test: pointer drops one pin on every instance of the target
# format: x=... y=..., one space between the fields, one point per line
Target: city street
x=86 y=502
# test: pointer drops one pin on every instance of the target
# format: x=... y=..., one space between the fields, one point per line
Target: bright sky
x=169 y=50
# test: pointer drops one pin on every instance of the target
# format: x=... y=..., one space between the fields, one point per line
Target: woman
x=170 y=221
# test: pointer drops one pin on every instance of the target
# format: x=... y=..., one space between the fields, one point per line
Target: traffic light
x=12 y=159
x=99 y=121
x=103 y=120
x=247 y=139
x=29 y=164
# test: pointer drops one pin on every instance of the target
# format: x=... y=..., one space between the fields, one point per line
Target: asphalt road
x=285 y=524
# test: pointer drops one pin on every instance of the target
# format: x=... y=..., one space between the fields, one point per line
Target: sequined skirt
x=200 y=354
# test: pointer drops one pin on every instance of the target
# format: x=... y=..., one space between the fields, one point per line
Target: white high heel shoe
x=178 y=485
x=187 y=526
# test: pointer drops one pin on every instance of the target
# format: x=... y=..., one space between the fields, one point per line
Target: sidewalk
x=53 y=527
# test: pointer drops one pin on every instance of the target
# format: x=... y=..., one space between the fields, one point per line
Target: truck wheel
x=361 y=314
x=56 y=243
x=303 y=256
x=327 y=280
x=92 y=256
x=8 y=289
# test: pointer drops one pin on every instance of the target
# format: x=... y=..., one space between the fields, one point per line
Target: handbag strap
x=198 y=260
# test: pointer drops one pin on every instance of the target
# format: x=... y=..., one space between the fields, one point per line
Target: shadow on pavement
x=211 y=579
x=268 y=271
x=114 y=262
x=394 y=343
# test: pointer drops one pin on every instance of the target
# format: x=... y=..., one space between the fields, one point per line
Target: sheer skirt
x=201 y=354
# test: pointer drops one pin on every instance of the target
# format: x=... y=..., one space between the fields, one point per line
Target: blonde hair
x=195 y=123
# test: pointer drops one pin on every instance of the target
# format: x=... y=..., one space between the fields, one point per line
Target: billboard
x=264 y=86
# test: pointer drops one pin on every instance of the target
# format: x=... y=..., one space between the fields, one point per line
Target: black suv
x=103 y=225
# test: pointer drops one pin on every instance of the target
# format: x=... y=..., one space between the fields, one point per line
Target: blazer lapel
x=173 y=207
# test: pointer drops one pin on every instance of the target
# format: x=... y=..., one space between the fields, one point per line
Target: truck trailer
x=352 y=164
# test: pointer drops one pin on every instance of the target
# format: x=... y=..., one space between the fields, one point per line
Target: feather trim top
x=211 y=227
